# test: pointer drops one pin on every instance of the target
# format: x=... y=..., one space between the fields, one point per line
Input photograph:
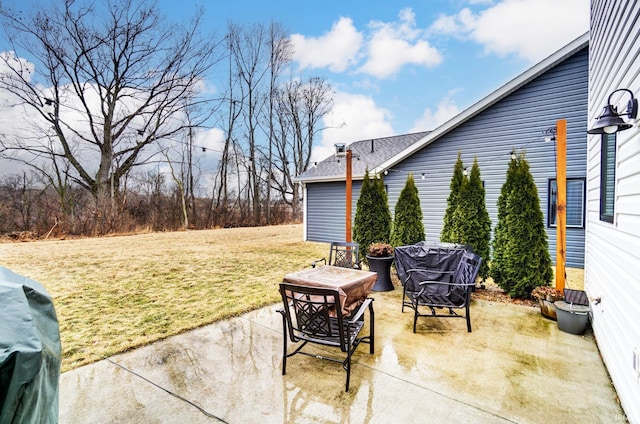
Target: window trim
x=550 y=181
x=605 y=139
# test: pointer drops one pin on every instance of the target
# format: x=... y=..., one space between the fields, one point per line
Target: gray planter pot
x=382 y=266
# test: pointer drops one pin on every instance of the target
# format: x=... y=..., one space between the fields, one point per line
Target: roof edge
x=489 y=100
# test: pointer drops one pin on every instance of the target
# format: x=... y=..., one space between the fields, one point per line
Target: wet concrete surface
x=516 y=366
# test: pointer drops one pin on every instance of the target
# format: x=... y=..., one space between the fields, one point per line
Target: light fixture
x=341 y=149
x=610 y=121
x=551 y=134
x=465 y=172
x=140 y=136
x=424 y=177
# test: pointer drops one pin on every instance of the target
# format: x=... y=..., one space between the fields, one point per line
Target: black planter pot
x=382 y=266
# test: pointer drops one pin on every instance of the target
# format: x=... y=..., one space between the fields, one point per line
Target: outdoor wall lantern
x=610 y=121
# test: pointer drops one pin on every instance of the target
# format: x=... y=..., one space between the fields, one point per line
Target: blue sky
x=400 y=67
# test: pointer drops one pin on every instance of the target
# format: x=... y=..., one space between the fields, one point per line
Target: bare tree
x=249 y=50
x=301 y=107
x=280 y=54
x=117 y=80
x=234 y=106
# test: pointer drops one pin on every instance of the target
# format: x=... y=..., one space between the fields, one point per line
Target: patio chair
x=449 y=290
x=342 y=254
x=312 y=315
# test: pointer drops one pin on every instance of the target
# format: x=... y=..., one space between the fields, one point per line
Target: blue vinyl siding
x=326 y=206
x=517 y=121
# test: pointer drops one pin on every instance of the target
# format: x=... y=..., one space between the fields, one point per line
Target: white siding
x=612 y=253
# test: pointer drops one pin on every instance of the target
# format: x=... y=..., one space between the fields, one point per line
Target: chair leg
x=468 y=318
x=346 y=389
x=372 y=331
x=415 y=319
x=284 y=345
x=404 y=293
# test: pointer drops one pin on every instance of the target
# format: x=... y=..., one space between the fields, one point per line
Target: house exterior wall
x=519 y=120
x=325 y=210
x=613 y=249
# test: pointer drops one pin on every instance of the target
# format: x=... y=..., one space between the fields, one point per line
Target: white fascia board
x=489 y=100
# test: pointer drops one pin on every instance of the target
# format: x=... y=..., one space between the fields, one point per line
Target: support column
x=348 y=200
x=561 y=212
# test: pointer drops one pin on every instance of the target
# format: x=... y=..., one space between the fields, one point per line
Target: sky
x=400 y=67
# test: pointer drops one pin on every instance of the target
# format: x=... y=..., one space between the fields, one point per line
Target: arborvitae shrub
x=407 y=224
x=372 y=223
x=474 y=224
x=449 y=224
x=523 y=261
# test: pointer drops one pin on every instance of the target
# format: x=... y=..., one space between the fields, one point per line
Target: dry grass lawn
x=113 y=294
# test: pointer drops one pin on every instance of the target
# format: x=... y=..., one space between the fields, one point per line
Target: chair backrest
x=314 y=314
x=344 y=254
x=465 y=277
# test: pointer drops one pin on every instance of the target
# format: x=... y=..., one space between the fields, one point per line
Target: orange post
x=561 y=212
x=348 y=217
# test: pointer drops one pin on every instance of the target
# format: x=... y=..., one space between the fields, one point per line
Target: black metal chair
x=312 y=315
x=342 y=254
x=451 y=290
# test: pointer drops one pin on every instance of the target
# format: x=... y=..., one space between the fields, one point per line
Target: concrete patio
x=516 y=366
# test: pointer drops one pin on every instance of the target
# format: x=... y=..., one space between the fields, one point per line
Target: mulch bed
x=496 y=294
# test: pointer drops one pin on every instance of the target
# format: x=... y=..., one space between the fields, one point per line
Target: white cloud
x=354 y=117
x=393 y=45
x=530 y=29
x=336 y=49
x=26 y=67
x=430 y=120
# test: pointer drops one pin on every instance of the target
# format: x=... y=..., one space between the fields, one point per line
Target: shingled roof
x=367 y=154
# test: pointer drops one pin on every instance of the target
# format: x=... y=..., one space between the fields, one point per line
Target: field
x=113 y=294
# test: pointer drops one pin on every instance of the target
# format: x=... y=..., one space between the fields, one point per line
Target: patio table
x=353 y=285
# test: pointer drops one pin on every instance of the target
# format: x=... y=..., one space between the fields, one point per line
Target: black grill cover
x=436 y=257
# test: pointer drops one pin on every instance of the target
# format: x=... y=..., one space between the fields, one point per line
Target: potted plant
x=546 y=296
x=380 y=258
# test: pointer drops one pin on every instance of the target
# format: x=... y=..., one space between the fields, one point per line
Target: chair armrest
x=358 y=314
x=427 y=282
x=314 y=263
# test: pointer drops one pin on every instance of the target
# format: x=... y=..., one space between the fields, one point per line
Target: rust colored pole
x=561 y=212
x=348 y=217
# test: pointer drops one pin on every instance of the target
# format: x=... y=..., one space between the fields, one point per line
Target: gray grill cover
x=29 y=352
